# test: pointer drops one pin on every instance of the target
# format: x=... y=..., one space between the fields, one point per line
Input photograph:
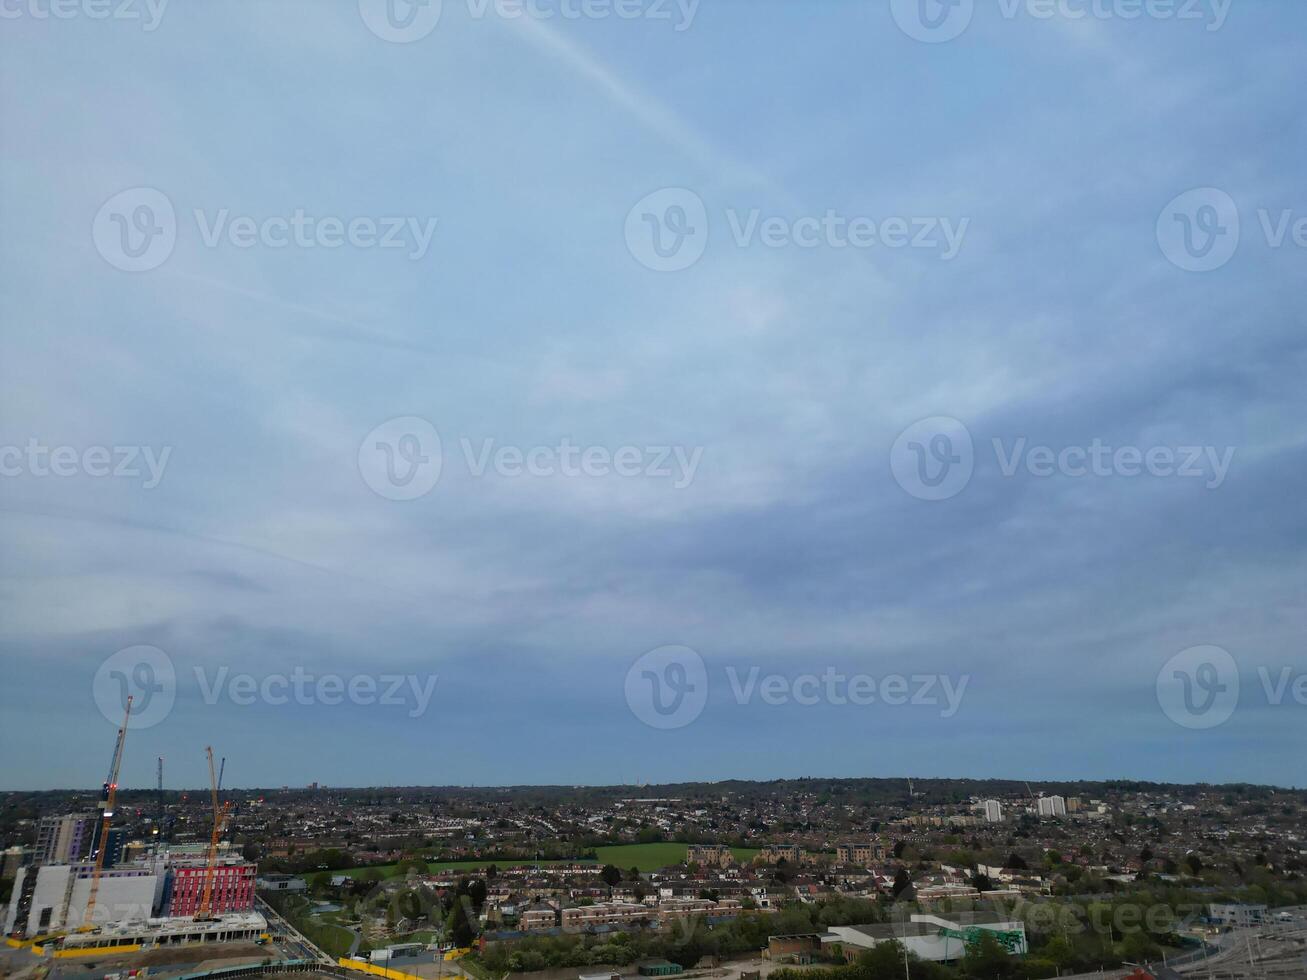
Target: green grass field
x=646 y=857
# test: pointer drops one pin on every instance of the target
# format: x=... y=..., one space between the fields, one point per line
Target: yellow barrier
x=99 y=950
x=376 y=971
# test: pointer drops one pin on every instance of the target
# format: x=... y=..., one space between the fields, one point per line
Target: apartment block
x=233 y=889
x=774 y=853
x=710 y=855
x=55 y=896
x=65 y=839
x=863 y=853
x=606 y=914
x=1052 y=806
x=537 y=917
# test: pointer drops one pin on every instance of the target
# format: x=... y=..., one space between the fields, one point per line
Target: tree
x=987 y=958
x=688 y=953
x=902 y=882
x=1137 y=947
x=611 y=875
x=460 y=929
x=477 y=892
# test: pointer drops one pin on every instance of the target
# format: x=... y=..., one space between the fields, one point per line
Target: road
x=1270 y=951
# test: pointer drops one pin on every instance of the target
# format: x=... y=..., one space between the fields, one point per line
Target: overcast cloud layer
x=782 y=538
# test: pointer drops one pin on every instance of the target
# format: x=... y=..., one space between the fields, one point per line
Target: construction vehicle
x=107 y=799
x=211 y=866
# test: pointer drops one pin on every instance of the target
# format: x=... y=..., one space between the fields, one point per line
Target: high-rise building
x=11 y=859
x=1052 y=806
x=993 y=811
x=66 y=839
x=55 y=896
x=115 y=840
x=233 y=888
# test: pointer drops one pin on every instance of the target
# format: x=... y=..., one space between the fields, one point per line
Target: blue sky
x=764 y=393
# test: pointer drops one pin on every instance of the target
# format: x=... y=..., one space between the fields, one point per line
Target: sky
x=635 y=391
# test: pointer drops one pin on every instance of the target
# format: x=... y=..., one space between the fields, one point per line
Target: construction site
x=87 y=894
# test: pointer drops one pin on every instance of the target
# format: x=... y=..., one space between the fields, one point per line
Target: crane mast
x=107 y=799
x=158 y=825
x=219 y=819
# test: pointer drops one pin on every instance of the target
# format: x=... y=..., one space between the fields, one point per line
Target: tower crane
x=158 y=823
x=107 y=798
x=219 y=819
